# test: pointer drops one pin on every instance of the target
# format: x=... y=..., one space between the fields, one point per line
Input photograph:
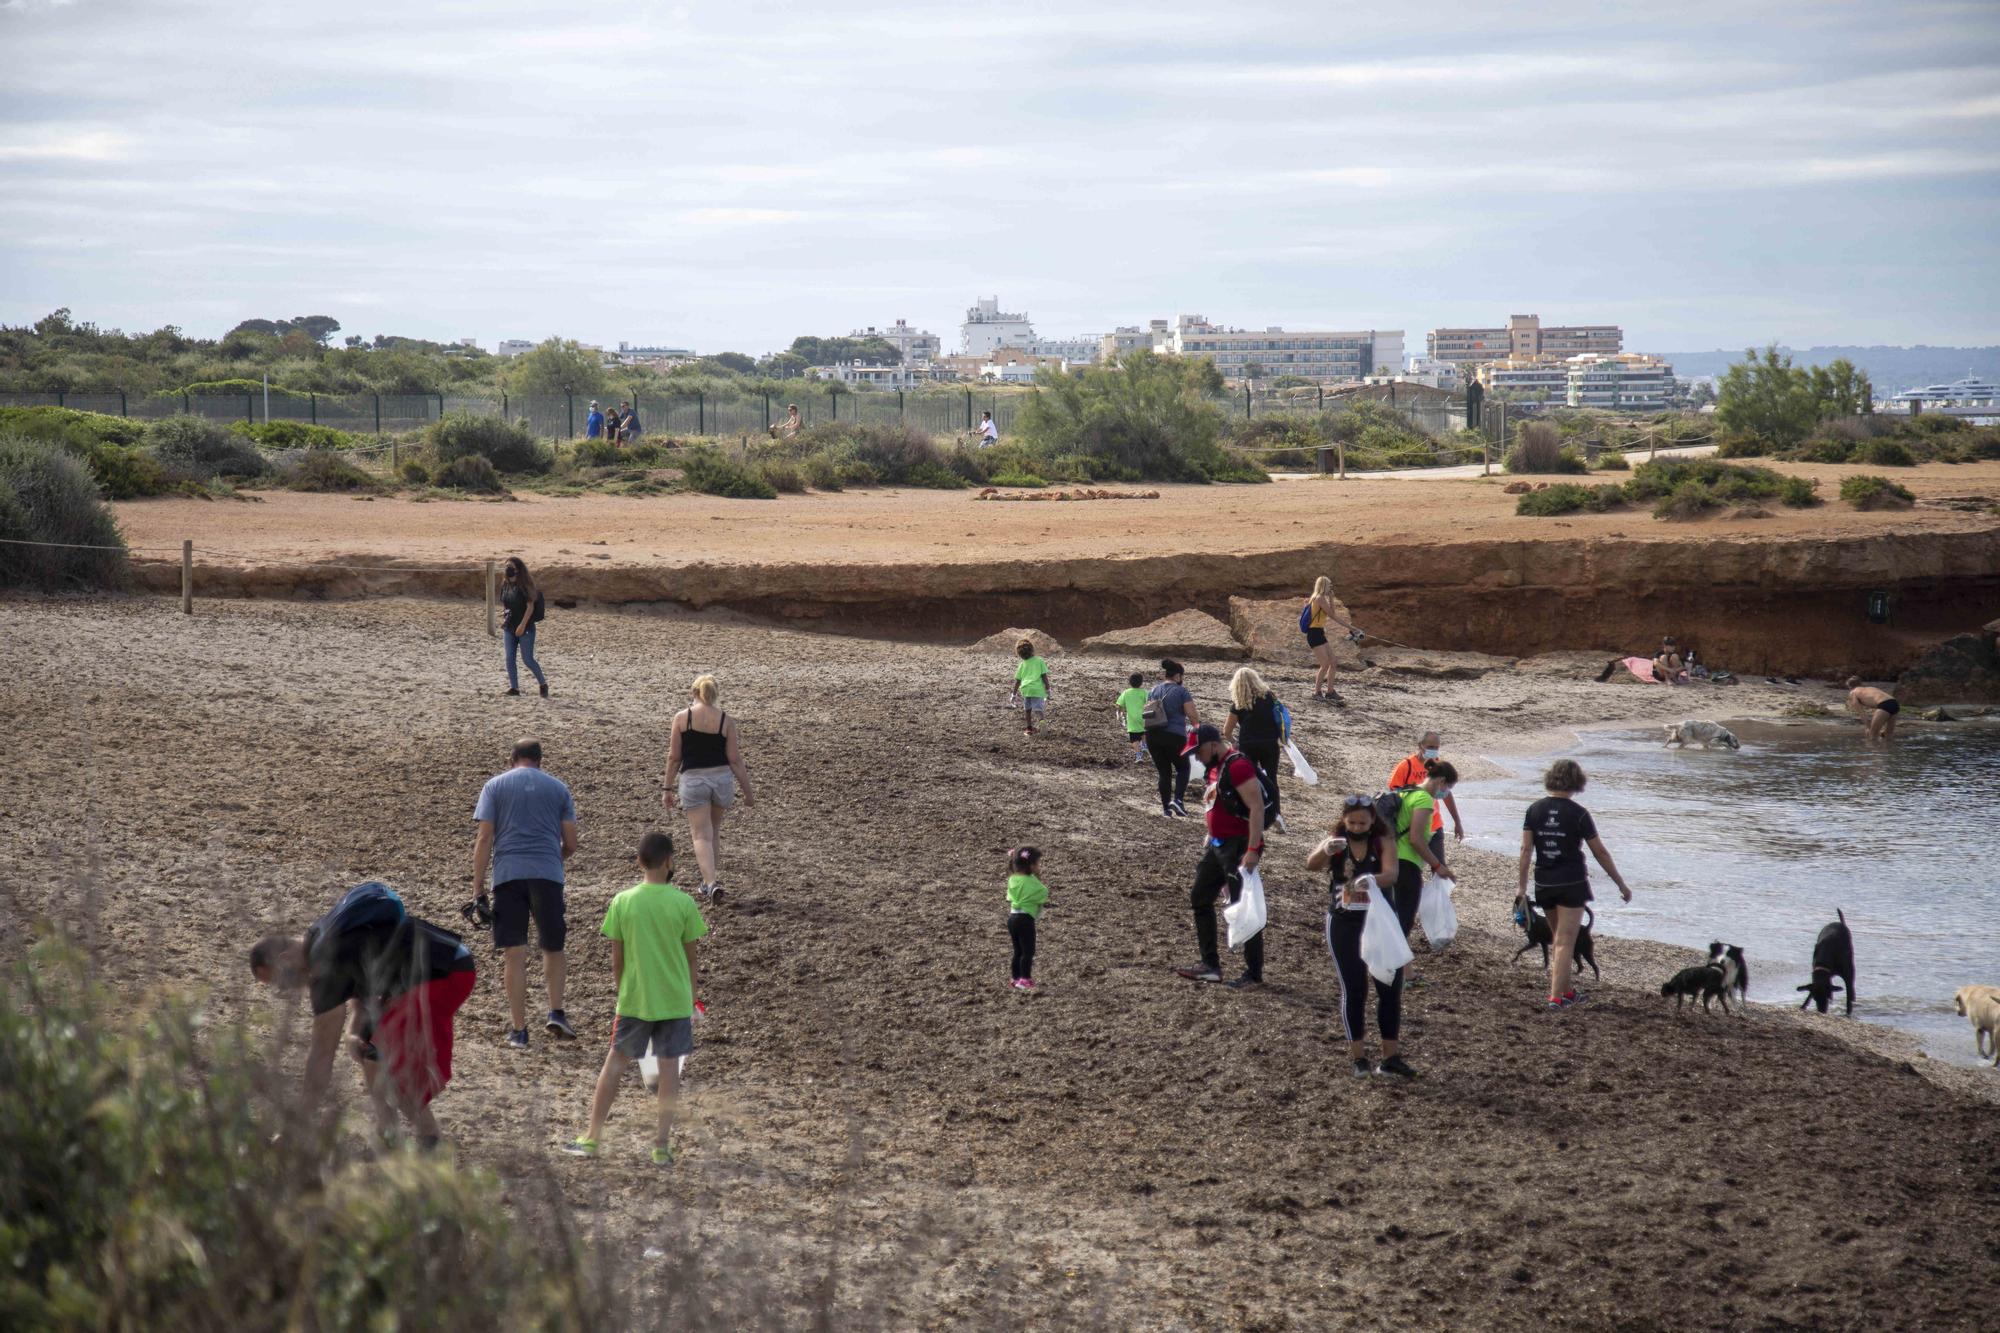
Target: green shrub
x=595 y=453
x=1799 y=492
x=707 y=469
x=1018 y=479
x=415 y=473
x=1562 y=497
x=80 y=432
x=128 y=474
x=194 y=448
x=1538 y=451
x=784 y=477
x=49 y=495
x=1150 y=416
x=856 y=473
x=1824 y=449
x=324 y=470
x=1871 y=492
x=1742 y=446
x=508 y=445
x=470 y=472
x=887 y=455
x=294 y=435
x=1690 y=499
x=822 y=473
x=1612 y=461
x=1730 y=481
x=1885 y=453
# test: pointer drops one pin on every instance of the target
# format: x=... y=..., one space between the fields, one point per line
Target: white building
x=1621 y=380
x=1529 y=379
x=1075 y=351
x=1317 y=354
x=919 y=348
x=1430 y=370
x=1155 y=336
x=987 y=328
x=879 y=377
x=513 y=347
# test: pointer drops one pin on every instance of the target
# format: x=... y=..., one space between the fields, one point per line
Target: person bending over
x=1878 y=706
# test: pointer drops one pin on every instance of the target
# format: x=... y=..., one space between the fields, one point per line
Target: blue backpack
x=1306 y=616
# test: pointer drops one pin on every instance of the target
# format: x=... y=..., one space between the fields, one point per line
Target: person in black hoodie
x=522 y=603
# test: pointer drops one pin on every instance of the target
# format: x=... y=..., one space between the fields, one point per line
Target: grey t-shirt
x=527 y=808
x=1174 y=697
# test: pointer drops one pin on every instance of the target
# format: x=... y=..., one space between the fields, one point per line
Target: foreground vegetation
x=1677 y=488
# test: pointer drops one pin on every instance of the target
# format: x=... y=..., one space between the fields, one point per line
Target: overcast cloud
x=727 y=175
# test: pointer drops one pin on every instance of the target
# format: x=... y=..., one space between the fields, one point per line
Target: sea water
x=1759 y=847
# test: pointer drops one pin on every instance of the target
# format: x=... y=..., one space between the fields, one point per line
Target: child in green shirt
x=652 y=927
x=1026 y=895
x=1132 y=704
x=1031 y=682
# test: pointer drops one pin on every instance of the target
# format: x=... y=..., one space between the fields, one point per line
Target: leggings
x=1172 y=765
x=1264 y=754
x=524 y=644
x=1343 y=941
x=1021 y=930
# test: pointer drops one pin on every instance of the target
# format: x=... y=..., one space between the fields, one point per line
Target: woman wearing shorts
x=704 y=771
x=1362 y=844
x=1553 y=837
x=1319 y=614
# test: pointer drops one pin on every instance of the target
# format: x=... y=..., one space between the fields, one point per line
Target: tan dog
x=1981 y=1004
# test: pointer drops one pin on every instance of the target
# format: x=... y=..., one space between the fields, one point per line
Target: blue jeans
x=524 y=644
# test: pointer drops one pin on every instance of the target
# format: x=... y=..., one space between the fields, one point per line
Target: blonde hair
x=705 y=689
x=1322 y=587
x=1246 y=687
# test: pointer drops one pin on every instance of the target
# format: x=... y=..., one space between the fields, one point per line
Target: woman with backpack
x=1314 y=617
x=1257 y=726
x=1416 y=811
x=1362 y=843
x=1168 y=713
x=522 y=608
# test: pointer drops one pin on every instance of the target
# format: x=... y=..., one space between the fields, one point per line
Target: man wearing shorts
x=527 y=829
x=1878 y=706
x=394 y=982
x=652 y=927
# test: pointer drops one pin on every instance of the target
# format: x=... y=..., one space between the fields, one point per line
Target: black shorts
x=1889 y=706
x=1135 y=736
x=1315 y=638
x=517 y=900
x=1548 y=897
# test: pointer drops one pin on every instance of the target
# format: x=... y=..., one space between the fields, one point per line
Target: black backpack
x=541 y=611
x=1232 y=801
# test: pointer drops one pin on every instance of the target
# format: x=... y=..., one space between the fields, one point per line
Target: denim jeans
x=524 y=644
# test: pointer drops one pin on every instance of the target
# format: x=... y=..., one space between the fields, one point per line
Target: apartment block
x=1154 y=336
x=919 y=347
x=1310 y=353
x=1627 y=380
x=1523 y=337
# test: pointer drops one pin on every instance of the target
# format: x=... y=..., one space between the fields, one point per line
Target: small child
x=1026 y=895
x=1132 y=703
x=652 y=927
x=1031 y=683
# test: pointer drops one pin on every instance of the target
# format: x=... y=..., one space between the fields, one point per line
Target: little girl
x=1026 y=895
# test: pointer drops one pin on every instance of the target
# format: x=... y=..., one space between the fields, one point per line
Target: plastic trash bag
x=1301 y=767
x=1383 y=947
x=649 y=1070
x=1246 y=916
x=1434 y=910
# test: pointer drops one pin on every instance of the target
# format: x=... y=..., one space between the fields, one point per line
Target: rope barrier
x=473 y=567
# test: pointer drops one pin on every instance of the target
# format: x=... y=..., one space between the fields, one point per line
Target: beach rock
x=1269 y=629
x=1936 y=715
x=1438 y=665
x=1004 y=642
x=1193 y=635
x=1963 y=669
x=1516 y=488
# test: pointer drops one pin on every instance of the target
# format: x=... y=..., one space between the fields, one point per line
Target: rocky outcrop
x=1269 y=630
x=1192 y=635
x=1004 y=641
x=1963 y=669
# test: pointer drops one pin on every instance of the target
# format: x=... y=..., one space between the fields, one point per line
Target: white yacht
x=1969 y=392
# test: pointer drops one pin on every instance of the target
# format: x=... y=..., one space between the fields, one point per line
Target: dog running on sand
x=1735 y=971
x=1708 y=735
x=1703 y=981
x=1981 y=1004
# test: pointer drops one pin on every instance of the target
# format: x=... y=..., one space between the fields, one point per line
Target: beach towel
x=1642 y=667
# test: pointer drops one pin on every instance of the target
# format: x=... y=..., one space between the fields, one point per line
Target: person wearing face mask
x=522 y=609
x=1410 y=773
x=1360 y=844
x=1414 y=853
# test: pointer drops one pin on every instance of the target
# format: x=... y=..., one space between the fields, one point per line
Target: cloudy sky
x=727 y=175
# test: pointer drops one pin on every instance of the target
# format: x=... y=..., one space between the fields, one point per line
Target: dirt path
x=1122 y=1148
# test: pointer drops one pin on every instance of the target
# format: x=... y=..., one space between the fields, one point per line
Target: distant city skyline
x=726 y=177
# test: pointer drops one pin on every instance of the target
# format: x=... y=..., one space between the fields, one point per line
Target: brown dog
x=1981 y=1004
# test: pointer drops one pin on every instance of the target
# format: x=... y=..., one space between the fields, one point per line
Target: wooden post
x=492 y=619
x=1342 y=447
x=187 y=577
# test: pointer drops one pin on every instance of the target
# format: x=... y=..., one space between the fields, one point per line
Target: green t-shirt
x=1032 y=677
x=653 y=922
x=1026 y=893
x=1133 y=701
x=1413 y=801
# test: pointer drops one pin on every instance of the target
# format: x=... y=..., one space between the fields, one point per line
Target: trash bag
x=649 y=1070
x=1383 y=947
x=1434 y=909
x=1246 y=916
x=1301 y=767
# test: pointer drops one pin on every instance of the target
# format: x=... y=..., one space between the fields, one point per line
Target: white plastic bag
x=1434 y=909
x=1246 y=916
x=1301 y=767
x=649 y=1070
x=1383 y=947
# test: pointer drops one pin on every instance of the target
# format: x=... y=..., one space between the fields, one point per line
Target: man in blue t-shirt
x=527 y=829
x=593 y=425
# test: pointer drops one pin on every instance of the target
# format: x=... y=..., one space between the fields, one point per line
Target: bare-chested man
x=1878 y=706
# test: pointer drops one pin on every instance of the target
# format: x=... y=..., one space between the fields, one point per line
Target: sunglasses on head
x=1355 y=802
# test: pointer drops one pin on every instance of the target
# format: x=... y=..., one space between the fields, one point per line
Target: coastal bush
x=1567 y=497
x=324 y=470
x=594 y=453
x=888 y=455
x=49 y=495
x=1885 y=453
x=1741 y=446
x=707 y=469
x=822 y=473
x=1280 y=441
x=1661 y=477
x=1025 y=479
x=193 y=448
x=1690 y=499
x=1538 y=450
x=1826 y=449
x=294 y=435
x=782 y=476
x=415 y=473
x=79 y=432
x=1799 y=492
x=1612 y=461
x=470 y=472
x=508 y=445
x=1151 y=416
x=1871 y=492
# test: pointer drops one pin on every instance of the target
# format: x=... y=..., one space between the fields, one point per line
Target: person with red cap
x=1235 y=844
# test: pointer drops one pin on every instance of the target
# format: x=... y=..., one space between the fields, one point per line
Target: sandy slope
x=1123 y=1148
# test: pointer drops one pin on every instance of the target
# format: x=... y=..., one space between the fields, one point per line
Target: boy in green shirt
x=1031 y=682
x=652 y=927
x=1133 y=704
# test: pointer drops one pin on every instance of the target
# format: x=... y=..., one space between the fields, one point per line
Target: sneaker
x=558 y=1025
x=1552 y=1005
x=545 y=689
x=429 y=1143
x=1362 y=1069
x=1279 y=821
x=1167 y=810
x=1139 y=757
x=1199 y=972
x=1333 y=697
x=581 y=1147
x=1395 y=1067
x=715 y=892
x=1013 y=983
x=1180 y=810
x=1026 y=983
x=517 y=1040
x=1573 y=999
x=509 y=690
x=1245 y=982
x=662 y=1156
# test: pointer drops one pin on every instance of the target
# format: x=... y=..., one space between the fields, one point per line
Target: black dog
x=1703 y=981
x=1540 y=932
x=1735 y=970
x=1833 y=956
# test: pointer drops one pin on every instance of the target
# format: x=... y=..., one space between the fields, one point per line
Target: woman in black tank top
x=1361 y=845
x=704 y=773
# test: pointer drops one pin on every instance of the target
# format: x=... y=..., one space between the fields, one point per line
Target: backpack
x=1154 y=714
x=1232 y=801
x=1389 y=809
x=541 y=610
x=1306 y=616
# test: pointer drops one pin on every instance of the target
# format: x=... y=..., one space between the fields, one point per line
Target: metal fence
x=555 y=416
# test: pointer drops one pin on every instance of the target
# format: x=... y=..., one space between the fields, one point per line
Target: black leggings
x=1343 y=941
x=1264 y=754
x=1165 y=747
x=1021 y=930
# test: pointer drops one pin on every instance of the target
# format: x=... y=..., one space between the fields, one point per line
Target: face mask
x=1431 y=752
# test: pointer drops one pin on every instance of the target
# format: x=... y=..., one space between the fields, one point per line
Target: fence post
x=124 y=408
x=187 y=576
x=187 y=407
x=1320 y=389
x=249 y=409
x=312 y=402
x=1653 y=450
x=61 y=398
x=700 y=412
x=899 y=407
x=833 y=402
x=395 y=463
x=767 y=414
x=492 y=631
x=378 y=414
x=1246 y=402
x=503 y=405
x=569 y=398
x=1342 y=448
x=968 y=409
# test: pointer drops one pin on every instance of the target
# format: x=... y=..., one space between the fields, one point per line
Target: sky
x=725 y=176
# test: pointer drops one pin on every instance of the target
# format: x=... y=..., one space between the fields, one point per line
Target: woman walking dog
x=1553 y=837
x=705 y=771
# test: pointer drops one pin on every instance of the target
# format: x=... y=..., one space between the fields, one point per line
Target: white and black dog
x=1708 y=735
x=1735 y=970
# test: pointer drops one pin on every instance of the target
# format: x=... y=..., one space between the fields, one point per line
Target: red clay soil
x=870 y=1101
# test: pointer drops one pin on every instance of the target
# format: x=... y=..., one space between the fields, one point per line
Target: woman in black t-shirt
x=521 y=611
x=1254 y=723
x=1553 y=836
x=1361 y=844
